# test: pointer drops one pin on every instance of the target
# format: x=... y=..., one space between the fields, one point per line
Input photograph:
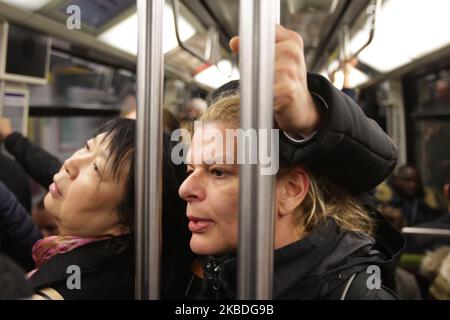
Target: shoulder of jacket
x=360 y=288
x=13 y=138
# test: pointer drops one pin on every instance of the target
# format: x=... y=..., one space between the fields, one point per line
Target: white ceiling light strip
x=405 y=31
x=124 y=34
x=31 y=5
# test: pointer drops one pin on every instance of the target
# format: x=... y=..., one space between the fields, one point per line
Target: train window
x=434 y=92
x=432 y=126
x=63 y=135
x=83 y=84
x=432 y=137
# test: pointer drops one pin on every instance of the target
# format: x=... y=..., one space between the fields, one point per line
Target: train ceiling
x=110 y=27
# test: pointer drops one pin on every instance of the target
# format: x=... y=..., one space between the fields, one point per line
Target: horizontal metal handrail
x=426 y=232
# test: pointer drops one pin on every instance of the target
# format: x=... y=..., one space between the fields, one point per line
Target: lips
x=54 y=190
x=199 y=225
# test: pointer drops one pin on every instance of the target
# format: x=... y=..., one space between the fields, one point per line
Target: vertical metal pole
x=2 y=96
x=256 y=227
x=150 y=77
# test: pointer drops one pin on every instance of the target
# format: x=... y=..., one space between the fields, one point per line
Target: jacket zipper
x=213 y=270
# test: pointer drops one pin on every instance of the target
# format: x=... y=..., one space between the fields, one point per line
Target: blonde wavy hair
x=324 y=199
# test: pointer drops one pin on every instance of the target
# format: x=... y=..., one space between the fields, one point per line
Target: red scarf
x=48 y=247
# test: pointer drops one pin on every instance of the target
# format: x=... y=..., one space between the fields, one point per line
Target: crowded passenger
x=324 y=238
x=435 y=267
x=92 y=202
x=41 y=166
x=407 y=195
x=12 y=280
x=423 y=243
x=191 y=112
x=11 y=173
x=38 y=163
x=18 y=233
x=170 y=122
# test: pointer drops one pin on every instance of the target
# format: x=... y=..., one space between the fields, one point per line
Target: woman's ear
x=293 y=188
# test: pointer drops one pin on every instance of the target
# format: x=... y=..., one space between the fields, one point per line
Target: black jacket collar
x=93 y=257
x=317 y=264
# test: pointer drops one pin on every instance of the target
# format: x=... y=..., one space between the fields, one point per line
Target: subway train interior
x=97 y=97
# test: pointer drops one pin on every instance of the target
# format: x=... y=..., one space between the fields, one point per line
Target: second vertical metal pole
x=256 y=210
x=2 y=96
x=150 y=73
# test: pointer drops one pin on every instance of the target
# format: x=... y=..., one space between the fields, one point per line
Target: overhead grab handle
x=375 y=8
x=211 y=56
x=344 y=40
x=211 y=51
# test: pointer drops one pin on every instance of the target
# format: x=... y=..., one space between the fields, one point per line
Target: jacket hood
x=317 y=264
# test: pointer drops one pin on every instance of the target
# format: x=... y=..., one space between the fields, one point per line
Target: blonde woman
x=326 y=244
x=324 y=238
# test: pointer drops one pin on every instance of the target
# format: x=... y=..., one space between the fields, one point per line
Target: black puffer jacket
x=354 y=153
x=106 y=272
x=37 y=162
x=318 y=266
x=18 y=232
x=349 y=148
x=15 y=178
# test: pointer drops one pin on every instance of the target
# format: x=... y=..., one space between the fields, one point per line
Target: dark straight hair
x=121 y=135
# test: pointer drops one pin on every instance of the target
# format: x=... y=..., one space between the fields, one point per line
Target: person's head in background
x=128 y=105
x=93 y=193
x=447 y=189
x=45 y=222
x=170 y=122
x=407 y=182
x=194 y=109
x=191 y=112
x=443 y=91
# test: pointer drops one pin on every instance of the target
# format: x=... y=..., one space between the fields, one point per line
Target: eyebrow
x=226 y=160
x=102 y=153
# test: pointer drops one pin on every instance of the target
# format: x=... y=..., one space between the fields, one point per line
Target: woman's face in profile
x=212 y=192
x=84 y=196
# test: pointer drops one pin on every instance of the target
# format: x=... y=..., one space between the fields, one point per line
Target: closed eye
x=97 y=170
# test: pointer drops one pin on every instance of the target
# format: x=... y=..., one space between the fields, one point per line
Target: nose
x=412 y=184
x=192 y=188
x=74 y=164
